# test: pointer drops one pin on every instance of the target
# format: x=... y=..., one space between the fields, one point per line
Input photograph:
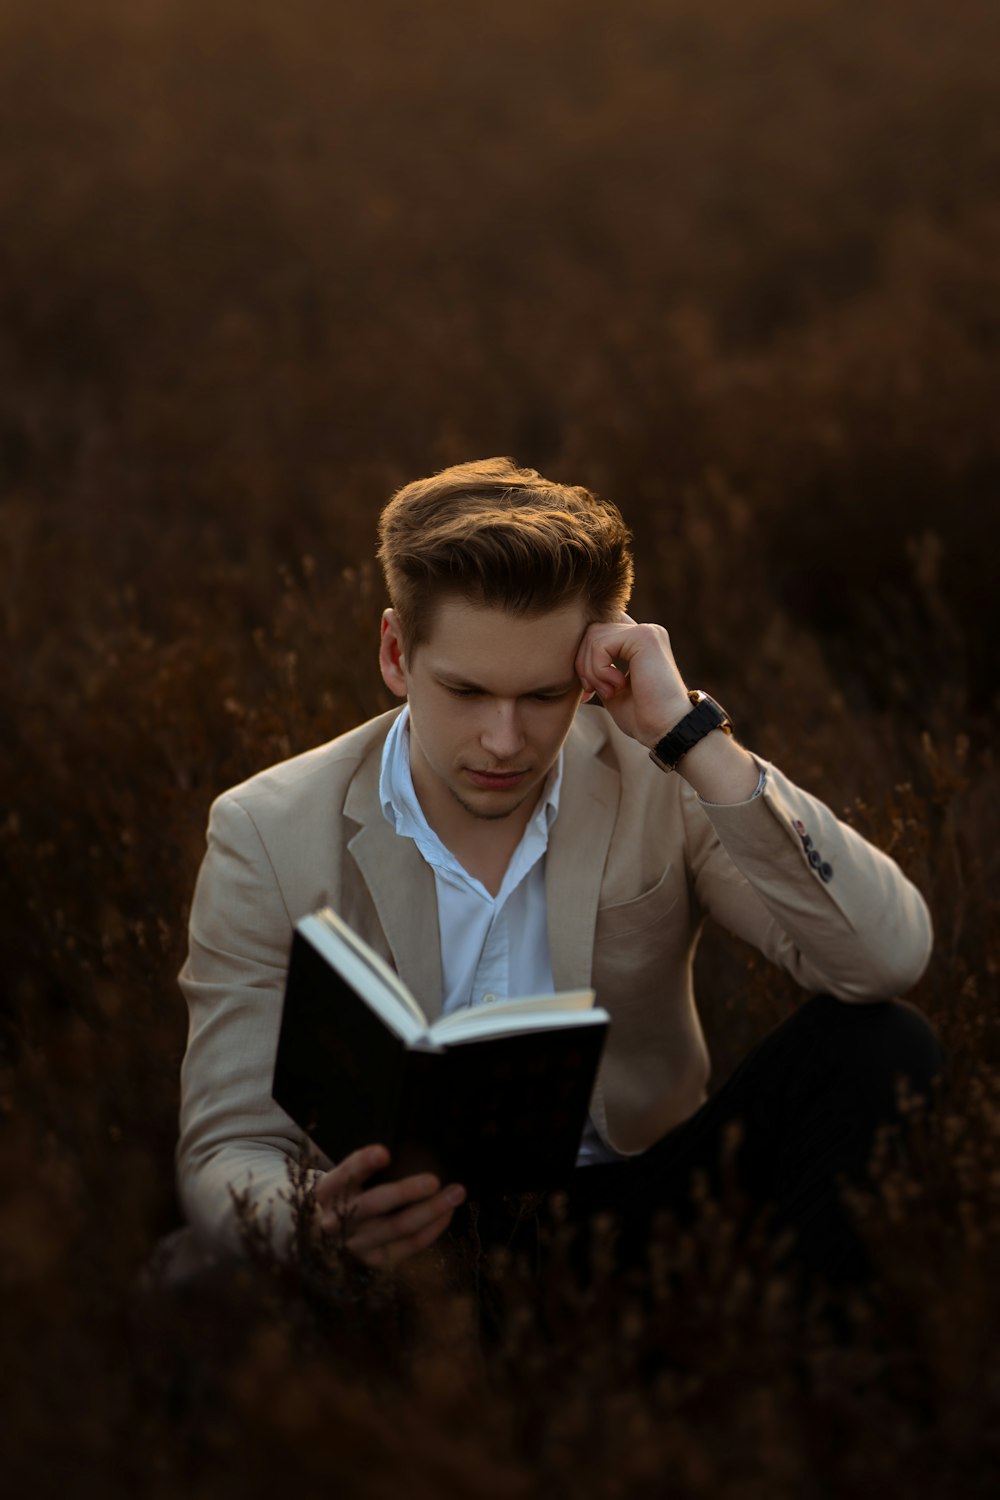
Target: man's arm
x=233 y=1134
x=778 y=869
x=784 y=873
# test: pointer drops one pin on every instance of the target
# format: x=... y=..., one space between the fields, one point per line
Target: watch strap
x=705 y=716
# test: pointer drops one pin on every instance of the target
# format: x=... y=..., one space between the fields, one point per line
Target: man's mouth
x=496 y=780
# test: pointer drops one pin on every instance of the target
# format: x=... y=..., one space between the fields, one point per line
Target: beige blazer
x=635 y=862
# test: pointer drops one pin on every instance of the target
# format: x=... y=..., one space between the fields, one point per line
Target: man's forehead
x=474 y=640
x=456 y=618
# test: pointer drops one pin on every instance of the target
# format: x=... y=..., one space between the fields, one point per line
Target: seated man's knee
x=890 y=1039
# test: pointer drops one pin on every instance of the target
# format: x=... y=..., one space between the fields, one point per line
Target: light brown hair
x=498 y=535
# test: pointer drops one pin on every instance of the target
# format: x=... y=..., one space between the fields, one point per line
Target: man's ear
x=391 y=656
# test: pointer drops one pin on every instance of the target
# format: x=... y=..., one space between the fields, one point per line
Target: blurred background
x=736 y=266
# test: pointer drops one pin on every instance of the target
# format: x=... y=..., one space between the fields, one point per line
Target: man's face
x=492 y=697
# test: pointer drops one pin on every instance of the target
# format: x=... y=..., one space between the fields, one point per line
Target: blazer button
x=815 y=859
x=826 y=871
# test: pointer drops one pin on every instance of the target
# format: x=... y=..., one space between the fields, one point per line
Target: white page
x=366 y=973
x=535 y=1008
x=374 y=961
x=483 y=1022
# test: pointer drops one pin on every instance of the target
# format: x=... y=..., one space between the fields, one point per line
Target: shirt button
x=489 y=998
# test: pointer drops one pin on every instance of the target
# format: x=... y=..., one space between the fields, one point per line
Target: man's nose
x=502 y=735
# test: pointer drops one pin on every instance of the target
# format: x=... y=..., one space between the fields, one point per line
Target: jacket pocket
x=647 y=910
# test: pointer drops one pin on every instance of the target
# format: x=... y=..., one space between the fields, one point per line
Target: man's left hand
x=632 y=669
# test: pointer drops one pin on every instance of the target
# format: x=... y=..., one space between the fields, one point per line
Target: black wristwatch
x=705 y=716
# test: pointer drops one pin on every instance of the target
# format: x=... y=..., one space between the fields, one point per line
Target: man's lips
x=496 y=780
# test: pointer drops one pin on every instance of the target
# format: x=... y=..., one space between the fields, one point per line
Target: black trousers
x=809 y=1097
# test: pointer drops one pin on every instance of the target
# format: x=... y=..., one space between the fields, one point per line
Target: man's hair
x=493 y=534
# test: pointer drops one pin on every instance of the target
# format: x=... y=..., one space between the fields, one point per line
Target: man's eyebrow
x=456 y=680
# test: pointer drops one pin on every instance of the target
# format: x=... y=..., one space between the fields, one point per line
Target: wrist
x=668 y=717
x=702 y=716
x=721 y=771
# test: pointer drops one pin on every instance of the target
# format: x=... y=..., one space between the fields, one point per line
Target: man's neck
x=482 y=846
x=487 y=858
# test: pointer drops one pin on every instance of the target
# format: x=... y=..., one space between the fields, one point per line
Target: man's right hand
x=387 y=1224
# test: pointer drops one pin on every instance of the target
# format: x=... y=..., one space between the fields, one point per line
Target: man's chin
x=489 y=812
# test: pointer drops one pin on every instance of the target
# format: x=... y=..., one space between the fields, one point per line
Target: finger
x=608 y=676
x=381 y=1204
x=389 y=1196
x=602 y=651
x=347 y=1178
x=581 y=662
x=372 y=1233
x=386 y=1256
x=585 y=668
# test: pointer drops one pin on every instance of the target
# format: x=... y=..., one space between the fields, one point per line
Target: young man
x=498 y=836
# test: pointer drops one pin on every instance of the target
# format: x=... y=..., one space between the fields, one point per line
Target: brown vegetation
x=735 y=266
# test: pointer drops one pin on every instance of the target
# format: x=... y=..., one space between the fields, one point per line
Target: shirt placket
x=492 y=980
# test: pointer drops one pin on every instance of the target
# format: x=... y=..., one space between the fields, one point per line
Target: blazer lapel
x=578 y=846
x=401 y=886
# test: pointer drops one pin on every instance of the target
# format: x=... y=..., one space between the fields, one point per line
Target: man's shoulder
x=325 y=772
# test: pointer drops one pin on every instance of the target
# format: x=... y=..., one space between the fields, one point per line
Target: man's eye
x=460 y=692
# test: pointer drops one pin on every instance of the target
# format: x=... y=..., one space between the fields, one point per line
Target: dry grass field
x=734 y=265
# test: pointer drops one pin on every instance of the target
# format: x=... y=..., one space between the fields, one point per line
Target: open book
x=493 y=1097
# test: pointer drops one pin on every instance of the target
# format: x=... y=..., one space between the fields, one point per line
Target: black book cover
x=498 y=1114
x=339 y=1067
x=502 y=1114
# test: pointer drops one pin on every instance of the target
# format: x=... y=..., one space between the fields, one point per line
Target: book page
x=484 y=1022
x=366 y=972
x=568 y=1006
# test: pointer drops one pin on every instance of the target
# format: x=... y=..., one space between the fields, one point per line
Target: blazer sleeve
x=232 y=1134
x=784 y=873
